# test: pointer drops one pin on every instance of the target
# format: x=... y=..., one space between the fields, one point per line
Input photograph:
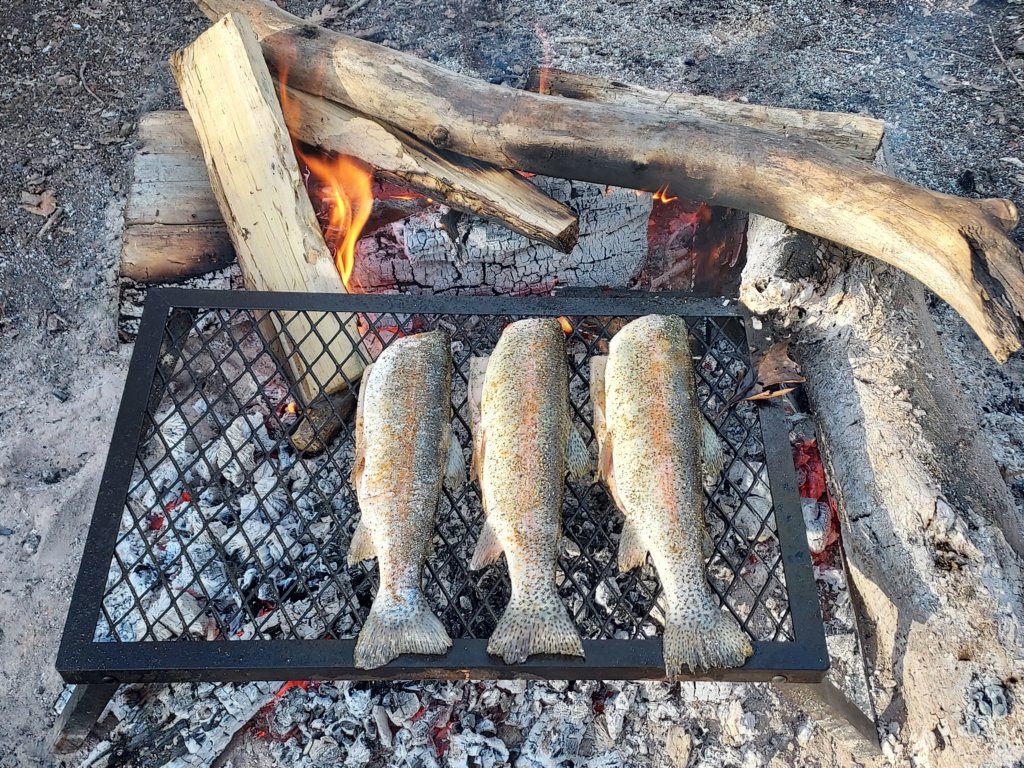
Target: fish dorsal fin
x=577 y=456
x=712 y=453
x=359 y=461
x=632 y=551
x=455 y=468
x=361 y=547
x=488 y=548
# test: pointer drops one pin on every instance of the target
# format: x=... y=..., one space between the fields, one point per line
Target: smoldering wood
x=321 y=421
x=459 y=182
x=959 y=248
x=855 y=135
x=431 y=252
x=931 y=534
x=230 y=95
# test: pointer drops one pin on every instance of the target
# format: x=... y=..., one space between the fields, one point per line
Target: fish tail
x=712 y=639
x=395 y=627
x=538 y=624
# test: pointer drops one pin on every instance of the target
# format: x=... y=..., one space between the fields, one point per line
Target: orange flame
x=662 y=195
x=566 y=325
x=349 y=192
x=544 y=70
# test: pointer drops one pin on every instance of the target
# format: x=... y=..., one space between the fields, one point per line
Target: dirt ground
x=75 y=76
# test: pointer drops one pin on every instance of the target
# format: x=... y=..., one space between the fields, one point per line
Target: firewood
x=230 y=95
x=459 y=182
x=173 y=228
x=930 y=530
x=959 y=248
x=858 y=136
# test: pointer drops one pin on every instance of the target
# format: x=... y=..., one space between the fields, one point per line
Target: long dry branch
x=854 y=135
x=957 y=247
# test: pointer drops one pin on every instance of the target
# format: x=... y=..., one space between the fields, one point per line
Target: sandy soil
x=932 y=72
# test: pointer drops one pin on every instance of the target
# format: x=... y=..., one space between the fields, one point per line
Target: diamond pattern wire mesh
x=228 y=533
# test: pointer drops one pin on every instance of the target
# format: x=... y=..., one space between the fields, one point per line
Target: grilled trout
x=404 y=451
x=654 y=452
x=525 y=444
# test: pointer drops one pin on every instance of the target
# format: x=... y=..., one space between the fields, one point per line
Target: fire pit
x=217 y=549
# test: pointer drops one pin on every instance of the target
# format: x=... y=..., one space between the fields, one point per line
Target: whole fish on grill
x=404 y=450
x=522 y=449
x=654 y=451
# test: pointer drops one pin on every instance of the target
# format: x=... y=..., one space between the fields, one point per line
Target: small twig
x=48 y=224
x=353 y=8
x=851 y=50
x=1002 y=58
x=957 y=53
x=81 y=79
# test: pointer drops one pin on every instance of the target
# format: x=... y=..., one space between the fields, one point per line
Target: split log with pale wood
x=959 y=248
x=230 y=95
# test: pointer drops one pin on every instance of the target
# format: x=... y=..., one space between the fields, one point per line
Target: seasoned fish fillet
x=522 y=450
x=404 y=450
x=654 y=451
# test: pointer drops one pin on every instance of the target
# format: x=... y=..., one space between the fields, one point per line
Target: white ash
x=183 y=725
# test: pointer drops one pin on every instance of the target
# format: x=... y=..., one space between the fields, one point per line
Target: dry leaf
x=775 y=372
x=39 y=205
x=777 y=367
x=325 y=14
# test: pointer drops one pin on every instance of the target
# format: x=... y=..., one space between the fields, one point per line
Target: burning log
x=854 y=135
x=958 y=248
x=459 y=182
x=437 y=253
x=931 y=534
x=229 y=93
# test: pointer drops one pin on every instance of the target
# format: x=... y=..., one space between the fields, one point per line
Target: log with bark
x=959 y=248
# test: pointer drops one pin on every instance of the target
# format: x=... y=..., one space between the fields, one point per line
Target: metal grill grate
x=212 y=527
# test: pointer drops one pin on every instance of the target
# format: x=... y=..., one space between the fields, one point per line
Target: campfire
x=322 y=164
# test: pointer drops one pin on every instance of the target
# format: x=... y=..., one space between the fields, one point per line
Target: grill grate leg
x=80 y=714
x=839 y=716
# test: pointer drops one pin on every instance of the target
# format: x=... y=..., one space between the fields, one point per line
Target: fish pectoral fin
x=606 y=470
x=577 y=456
x=488 y=548
x=712 y=452
x=604 y=459
x=455 y=469
x=632 y=550
x=361 y=548
x=477 y=461
x=359 y=461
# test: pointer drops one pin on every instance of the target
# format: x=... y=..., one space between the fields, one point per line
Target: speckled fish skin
x=521 y=461
x=651 y=458
x=404 y=451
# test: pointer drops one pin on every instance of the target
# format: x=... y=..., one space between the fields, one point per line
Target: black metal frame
x=105 y=664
